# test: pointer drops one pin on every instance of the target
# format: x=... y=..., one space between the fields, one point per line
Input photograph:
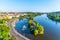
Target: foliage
x=54 y=17
x=35 y=32
x=30 y=15
x=13 y=38
x=2 y=21
x=41 y=29
x=35 y=27
x=4 y=30
x=7 y=18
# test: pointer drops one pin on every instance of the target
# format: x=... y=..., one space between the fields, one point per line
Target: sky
x=29 y=5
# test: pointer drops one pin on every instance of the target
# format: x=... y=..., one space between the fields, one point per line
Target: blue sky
x=29 y=5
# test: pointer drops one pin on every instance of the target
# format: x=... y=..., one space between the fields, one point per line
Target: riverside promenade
x=13 y=32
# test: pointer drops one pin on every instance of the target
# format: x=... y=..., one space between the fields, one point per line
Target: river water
x=51 y=28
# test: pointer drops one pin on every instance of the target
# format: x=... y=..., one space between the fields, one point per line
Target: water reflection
x=52 y=30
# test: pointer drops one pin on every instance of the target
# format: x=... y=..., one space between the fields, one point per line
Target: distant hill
x=55 y=12
x=58 y=12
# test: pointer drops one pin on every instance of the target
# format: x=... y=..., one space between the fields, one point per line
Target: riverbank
x=15 y=33
x=52 y=29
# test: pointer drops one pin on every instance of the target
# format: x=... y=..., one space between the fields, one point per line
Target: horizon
x=29 y=5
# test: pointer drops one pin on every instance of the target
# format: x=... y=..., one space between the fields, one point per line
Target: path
x=15 y=33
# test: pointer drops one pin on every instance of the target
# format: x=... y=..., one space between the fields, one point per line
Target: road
x=15 y=33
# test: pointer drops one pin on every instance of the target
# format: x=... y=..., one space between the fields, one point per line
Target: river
x=51 y=28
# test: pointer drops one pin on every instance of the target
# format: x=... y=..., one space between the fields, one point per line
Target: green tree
x=4 y=30
x=41 y=29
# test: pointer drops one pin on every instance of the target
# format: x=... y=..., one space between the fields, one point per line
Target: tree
x=35 y=32
x=4 y=30
x=41 y=29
